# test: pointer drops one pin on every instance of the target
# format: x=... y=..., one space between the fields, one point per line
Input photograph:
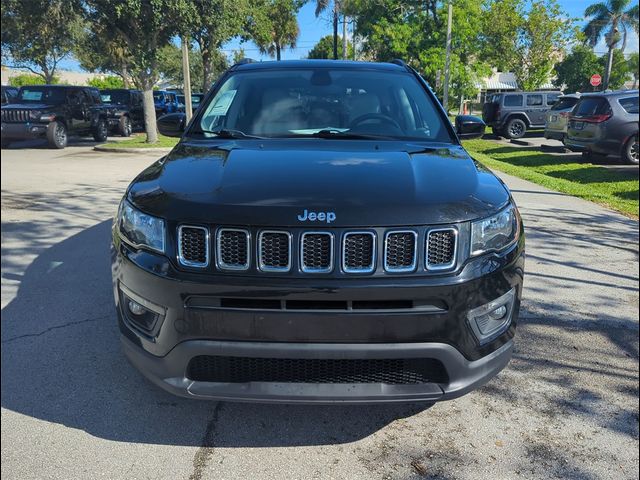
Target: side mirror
x=468 y=127
x=172 y=125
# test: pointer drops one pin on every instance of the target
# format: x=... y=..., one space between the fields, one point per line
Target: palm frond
x=321 y=6
x=597 y=10
x=594 y=30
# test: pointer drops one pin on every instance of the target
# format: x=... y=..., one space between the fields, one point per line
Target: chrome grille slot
x=441 y=248
x=316 y=252
x=400 y=251
x=358 y=252
x=193 y=246
x=274 y=251
x=232 y=249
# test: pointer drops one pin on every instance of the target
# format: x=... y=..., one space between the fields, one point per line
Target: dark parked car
x=54 y=112
x=512 y=114
x=124 y=110
x=558 y=117
x=9 y=94
x=165 y=102
x=319 y=234
x=196 y=98
x=605 y=124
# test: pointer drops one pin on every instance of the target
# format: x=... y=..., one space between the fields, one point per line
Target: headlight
x=140 y=229
x=119 y=113
x=35 y=114
x=495 y=233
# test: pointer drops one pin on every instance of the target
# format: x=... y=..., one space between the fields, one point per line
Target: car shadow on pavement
x=61 y=363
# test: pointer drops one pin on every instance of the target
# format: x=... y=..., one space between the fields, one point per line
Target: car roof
x=336 y=64
x=614 y=93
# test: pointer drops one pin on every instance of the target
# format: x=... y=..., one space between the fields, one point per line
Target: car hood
x=28 y=106
x=272 y=183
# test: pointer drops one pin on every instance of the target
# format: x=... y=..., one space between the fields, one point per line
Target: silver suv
x=512 y=114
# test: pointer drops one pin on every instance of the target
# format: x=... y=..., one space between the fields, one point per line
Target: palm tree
x=614 y=17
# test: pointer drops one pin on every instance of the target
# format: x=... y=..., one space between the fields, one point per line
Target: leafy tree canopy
x=30 y=79
x=103 y=83
x=38 y=34
x=324 y=48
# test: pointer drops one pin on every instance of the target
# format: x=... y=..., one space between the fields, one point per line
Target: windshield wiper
x=228 y=133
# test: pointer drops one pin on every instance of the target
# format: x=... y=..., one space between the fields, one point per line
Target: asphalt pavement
x=73 y=408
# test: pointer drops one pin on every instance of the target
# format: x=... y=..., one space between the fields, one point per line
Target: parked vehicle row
x=603 y=123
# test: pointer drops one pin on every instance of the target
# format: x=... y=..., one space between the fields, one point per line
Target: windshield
x=114 y=96
x=304 y=102
x=35 y=94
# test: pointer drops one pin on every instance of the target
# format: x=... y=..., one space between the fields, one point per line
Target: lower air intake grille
x=206 y=368
x=400 y=251
x=441 y=248
x=193 y=246
x=358 y=255
x=317 y=252
x=233 y=249
x=275 y=253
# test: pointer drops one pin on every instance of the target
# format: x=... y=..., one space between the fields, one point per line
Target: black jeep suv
x=54 y=112
x=124 y=110
x=318 y=234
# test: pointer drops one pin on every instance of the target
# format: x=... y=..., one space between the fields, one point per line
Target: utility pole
x=447 y=64
x=186 y=75
x=344 y=37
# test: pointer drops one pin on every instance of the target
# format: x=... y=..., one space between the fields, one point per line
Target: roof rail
x=400 y=62
x=243 y=61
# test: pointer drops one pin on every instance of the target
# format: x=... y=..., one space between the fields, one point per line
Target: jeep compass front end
x=318 y=235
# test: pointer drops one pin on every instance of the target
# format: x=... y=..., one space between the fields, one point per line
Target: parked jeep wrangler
x=124 y=110
x=512 y=114
x=54 y=112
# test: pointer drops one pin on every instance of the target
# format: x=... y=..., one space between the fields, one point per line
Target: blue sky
x=312 y=29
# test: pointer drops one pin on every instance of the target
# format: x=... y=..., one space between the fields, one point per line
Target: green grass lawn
x=139 y=141
x=585 y=180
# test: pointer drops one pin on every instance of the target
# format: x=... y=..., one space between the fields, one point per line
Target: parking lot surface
x=73 y=408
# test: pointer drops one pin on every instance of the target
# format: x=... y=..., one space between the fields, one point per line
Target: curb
x=524 y=143
x=101 y=148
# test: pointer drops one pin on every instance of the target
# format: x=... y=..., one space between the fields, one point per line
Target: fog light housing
x=492 y=319
x=139 y=313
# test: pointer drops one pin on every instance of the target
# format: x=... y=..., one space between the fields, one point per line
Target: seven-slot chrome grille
x=15 y=116
x=355 y=252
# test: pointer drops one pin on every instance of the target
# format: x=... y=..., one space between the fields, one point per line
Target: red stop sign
x=595 y=80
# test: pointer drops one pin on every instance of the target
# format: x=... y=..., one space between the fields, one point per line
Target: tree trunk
x=149 y=111
x=607 y=73
x=207 y=69
x=335 y=31
x=124 y=73
x=277 y=51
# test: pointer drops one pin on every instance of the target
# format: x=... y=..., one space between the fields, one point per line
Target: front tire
x=516 y=128
x=57 y=135
x=124 y=126
x=632 y=150
x=101 y=131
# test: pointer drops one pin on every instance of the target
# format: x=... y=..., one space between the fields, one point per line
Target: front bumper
x=191 y=327
x=22 y=131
